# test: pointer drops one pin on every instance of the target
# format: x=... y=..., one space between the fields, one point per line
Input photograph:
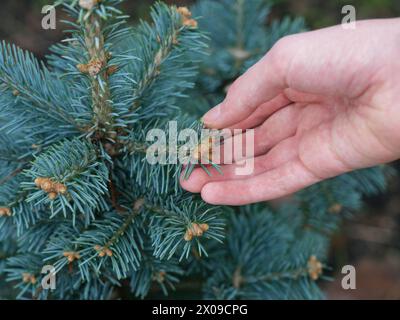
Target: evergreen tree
x=77 y=193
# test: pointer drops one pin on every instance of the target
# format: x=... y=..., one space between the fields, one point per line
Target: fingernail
x=212 y=116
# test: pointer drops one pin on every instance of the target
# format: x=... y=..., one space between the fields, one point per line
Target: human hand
x=322 y=103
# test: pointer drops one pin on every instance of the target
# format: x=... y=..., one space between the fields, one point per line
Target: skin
x=322 y=103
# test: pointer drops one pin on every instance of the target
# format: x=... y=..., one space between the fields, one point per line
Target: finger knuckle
x=284 y=49
x=233 y=89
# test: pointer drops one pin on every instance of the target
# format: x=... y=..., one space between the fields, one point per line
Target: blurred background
x=371 y=240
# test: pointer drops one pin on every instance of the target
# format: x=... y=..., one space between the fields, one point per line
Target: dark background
x=20 y=20
x=371 y=241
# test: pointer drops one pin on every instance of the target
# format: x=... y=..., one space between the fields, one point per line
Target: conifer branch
x=166 y=45
x=137 y=207
x=97 y=70
x=23 y=76
x=11 y=175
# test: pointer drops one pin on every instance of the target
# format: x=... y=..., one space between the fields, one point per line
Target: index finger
x=261 y=83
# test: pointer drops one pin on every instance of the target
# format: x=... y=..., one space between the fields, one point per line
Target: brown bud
x=38 y=181
x=191 y=23
x=47 y=185
x=188 y=235
x=52 y=188
x=27 y=277
x=103 y=251
x=60 y=188
x=94 y=67
x=88 y=4
x=184 y=12
x=4 y=211
x=82 y=68
x=71 y=255
x=52 y=195
x=159 y=276
x=314 y=268
x=336 y=208
x=195 y=230
x=187 y=17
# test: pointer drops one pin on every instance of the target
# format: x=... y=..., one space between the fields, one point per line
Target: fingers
x=276 y=128
x=320 y=153
x=280 y=154
x=283 y=180
x=262 y=112
x=260 y=84
x=199 y=177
